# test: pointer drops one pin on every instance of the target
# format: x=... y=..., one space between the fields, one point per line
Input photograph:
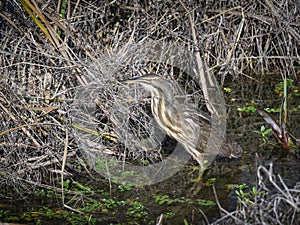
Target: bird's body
x=182 y=122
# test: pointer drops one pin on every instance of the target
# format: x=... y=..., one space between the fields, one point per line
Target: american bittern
x=182 y=122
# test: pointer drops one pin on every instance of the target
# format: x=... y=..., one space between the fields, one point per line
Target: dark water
x=183 y=193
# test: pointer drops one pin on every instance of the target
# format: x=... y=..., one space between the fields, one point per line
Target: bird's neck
x=164 y=112
x=160 y=102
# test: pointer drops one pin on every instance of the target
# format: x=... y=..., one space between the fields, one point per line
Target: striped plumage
x=180 y=121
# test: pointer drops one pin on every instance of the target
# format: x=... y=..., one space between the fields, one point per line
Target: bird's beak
x=128 y=81
x=137 y=80
x=146 y=83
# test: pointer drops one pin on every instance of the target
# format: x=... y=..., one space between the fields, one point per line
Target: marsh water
x=180 y=198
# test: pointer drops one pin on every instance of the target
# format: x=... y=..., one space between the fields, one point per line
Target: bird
x=184 y=123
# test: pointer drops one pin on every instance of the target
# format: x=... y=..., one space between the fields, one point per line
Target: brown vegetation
x=43 y=60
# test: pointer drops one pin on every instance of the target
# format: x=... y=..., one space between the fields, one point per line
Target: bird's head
x=155 y=84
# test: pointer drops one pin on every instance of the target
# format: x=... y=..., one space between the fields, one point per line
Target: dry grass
x=98 y=42
x=277 y=203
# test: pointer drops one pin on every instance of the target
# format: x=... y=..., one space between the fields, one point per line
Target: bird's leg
x=197 y=182
x=201 y=170
x=202 y=167
x=193 y=168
